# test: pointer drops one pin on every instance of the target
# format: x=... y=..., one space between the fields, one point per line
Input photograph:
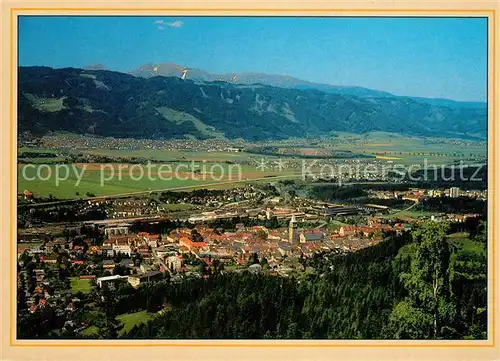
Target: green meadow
x=80 y=285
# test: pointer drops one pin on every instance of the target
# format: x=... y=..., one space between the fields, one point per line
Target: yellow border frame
x=331 y=12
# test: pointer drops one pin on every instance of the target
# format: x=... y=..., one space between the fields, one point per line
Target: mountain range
x=284 y=81
x=157 y=103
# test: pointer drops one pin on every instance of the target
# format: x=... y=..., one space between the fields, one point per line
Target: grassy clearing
x=90 y=76
x=334 y=224
x=28 y=244
x=129 y=320
x=46 y=104
x=458 y=235
x=91 y=331
x=80 y=285
x=469 y=246
x=181 y=117
x=410 y=214
x=174 y=207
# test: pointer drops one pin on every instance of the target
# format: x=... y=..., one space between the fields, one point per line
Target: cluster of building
x=62 y=141
x=146 y=255
x=416 y=194
x=143 y=206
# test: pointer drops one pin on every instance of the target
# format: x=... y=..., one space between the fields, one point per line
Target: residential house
x=150 y=239
x=175 y=262
x=127 y=263
x=122 y=248
x=94 y=250
x=107 y=251
x=39 y=275
x=144 y=251
x=51 y=259
x=108 y=265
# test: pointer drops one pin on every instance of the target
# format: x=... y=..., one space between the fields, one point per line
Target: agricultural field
x=124 y=179
x=174 y=155
x=81 y=180
x=410 y=150
x=395 y=147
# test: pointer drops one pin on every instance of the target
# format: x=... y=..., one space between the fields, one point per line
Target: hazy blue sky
x=430 y=57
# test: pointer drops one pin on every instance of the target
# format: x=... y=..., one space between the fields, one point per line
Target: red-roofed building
x=84 y=277
x=21 y=250
x=186 y=242
x=49 y=259
x=347 y=231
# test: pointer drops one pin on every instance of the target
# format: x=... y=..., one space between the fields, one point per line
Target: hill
x=108 y=103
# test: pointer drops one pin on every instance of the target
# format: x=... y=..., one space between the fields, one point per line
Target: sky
x=427 y=57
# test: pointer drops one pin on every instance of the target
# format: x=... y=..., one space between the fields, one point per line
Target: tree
x=253 y=259
x=428 y=311
x=197 y=237
x=264 y=262
x=482 y=232
x=261 y=234
x=201 y=267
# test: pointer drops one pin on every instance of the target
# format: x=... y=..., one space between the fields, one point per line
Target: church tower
x=292 y=231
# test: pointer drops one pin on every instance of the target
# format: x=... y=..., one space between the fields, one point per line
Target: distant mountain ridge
x=285 y=81
x=108 y=103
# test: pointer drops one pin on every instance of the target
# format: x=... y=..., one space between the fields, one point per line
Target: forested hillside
x=107 y=103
